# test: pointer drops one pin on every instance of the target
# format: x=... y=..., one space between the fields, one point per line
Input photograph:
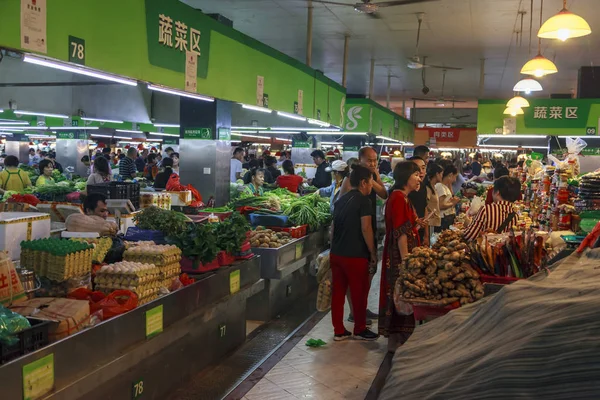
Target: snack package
x=574 y=147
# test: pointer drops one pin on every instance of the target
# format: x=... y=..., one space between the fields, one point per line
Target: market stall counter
x=147 y=351
x=287 y=274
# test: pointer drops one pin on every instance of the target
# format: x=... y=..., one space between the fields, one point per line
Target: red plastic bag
x=116 y=303
x=86 y=294
x=174 y=185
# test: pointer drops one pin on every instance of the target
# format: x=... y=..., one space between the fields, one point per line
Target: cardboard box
x=181 y=199
x=70 y=316
x=18 y=226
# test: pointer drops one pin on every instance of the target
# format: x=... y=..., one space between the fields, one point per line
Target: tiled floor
x=338 y=370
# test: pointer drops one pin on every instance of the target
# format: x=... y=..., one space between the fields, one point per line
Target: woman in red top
x=289 y=179
x=402 y=235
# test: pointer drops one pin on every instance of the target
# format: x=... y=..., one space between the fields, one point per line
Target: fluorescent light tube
x=257 y=108
x=281 y=132
x=390 y=144
x=110 y=121
x=74 y=128
x=331 y=143
x=110 y=136
x=514 y=136
x=252 y=136
x=167 y=125
x=19 y=112
x=408 y=144
x=581 y=137
x=180 y=93
x=164 y=134
x=317 y=122
x=291 y=116
x=253 y=128
x=283 y=139
x=387 y=138
x=512 y=147
x=14 y=123
x=78 y=70
x=23 y=128
x=287 y=128
x=128 y=131
x=340 y=133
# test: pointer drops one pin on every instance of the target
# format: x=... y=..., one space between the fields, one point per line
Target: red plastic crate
x=500 y=280
x=187 y=266
x=295 y=232
x=225 y=259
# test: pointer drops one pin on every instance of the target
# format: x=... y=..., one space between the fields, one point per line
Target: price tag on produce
x=154 y=321
x=234 y=282
x=299 y=250
x=38 y=378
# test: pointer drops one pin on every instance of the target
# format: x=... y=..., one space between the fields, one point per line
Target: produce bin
x=118 y=191
x=30 y=339
x=296 y=232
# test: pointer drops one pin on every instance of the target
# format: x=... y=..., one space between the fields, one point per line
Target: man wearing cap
x=322 y=177
x=340 y=171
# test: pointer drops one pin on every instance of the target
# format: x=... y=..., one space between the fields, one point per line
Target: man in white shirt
x=236 y=164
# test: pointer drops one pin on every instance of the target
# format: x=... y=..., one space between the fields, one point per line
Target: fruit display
x=142 y=279
x=57 y=259
x=101 y=247
x=446 y=237
x=266 y=238
x=443 y=275
x=165 y=257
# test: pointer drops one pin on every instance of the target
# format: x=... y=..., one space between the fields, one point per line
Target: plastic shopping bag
x=401 y=306
x=324 y=296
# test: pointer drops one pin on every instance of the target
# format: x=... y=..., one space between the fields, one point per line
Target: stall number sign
x=197 y=133
x=154 y=321
x=137 y=389
x=76 y=50
x=38 y=377
x=590 y=131
x=299 y=250
x=234 y=282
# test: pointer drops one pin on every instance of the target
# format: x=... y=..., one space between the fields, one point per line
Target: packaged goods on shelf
x=145 y=280
x=160 y=200
x=57 y=259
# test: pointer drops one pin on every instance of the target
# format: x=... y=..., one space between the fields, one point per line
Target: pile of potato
x=266 y=238
x=442 y=275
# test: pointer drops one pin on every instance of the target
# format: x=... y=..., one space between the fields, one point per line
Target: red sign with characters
x=444 y=134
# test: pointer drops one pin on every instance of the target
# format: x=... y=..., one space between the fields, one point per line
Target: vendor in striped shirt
x=499 y=216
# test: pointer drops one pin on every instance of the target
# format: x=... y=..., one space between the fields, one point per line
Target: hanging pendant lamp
x=513 y=111
x=517 y=102
x=527 y=85
x=539 y=65
x=564 y=25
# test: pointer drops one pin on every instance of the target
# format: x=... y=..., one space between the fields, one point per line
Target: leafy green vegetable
x=57 y=176
x=157 y=219
x=196 y=241
x=231 y=233
x=309 y=210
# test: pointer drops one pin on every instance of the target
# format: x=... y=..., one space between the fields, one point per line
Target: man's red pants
x=354 y=273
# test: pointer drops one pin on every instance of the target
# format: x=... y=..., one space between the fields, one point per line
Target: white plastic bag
x=476 y=205
x=574 y=147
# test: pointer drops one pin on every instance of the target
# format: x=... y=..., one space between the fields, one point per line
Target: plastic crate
x=268 y=220
x=191 y=266
x=135 y=234
x=30 y=340
x=118 y=191
x=225 y=259
x=500 y=280
x=296 y=232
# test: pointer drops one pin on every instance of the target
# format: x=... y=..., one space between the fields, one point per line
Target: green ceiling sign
x=559 y=113
x=172 y=32
x=197 y=133
x=364 y=115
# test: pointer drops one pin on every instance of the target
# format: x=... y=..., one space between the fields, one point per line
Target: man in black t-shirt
x=322 y=176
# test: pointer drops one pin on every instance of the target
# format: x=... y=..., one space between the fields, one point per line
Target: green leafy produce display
x=157 y=219
x=309 y=210
x=223 y=209
x=60 y=188
x=231 y=233
x=387 y=179
x=196 y=241
x=57 y=176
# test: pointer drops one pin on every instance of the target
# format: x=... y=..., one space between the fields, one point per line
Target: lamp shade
x=385 y=154
x=278 y=154
x=101 y=145
x=336 y=151
x=513 y=111
x=563 y=26
x=539 y=66
x=527 y=85
x=127 y=146
x=330 y=153
x=517 y=102
x=140 y=146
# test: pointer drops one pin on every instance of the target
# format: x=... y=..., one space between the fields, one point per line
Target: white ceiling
x=455 y=33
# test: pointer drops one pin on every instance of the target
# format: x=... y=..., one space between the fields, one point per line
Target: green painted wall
x=116 y=41
x=490 y=117
x=364 y=115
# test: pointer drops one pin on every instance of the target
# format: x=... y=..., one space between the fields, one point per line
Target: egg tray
x=158 y=260
x=58 y=268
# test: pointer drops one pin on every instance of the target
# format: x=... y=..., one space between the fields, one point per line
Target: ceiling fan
x=415 y=62
x=440 y=101
x=370 y=8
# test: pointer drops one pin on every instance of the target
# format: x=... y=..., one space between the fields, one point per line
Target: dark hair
x=500 y=171
x=359 y=174
x=43 y=164
x=236 y=151
x=44 y=154
x=509 y=188
x=174 y=154
x=169 y=149
x=254 y=163
x=52 y=155
x=450 y=169
x=167 y=162
x=31 y=149
x=444 y=163
x=106 y=150
x=432 y=170
x=421 y=151
x=269 y=161
x=318 y=154
x=11 y=161
x=132 y=151
x=251 y=173
x=85 y=159
x=414 y=158
x=91 y=201
x=151 y=157
x=402 y=173
x=101 y=166
x=363 y=151
x=288 y=167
